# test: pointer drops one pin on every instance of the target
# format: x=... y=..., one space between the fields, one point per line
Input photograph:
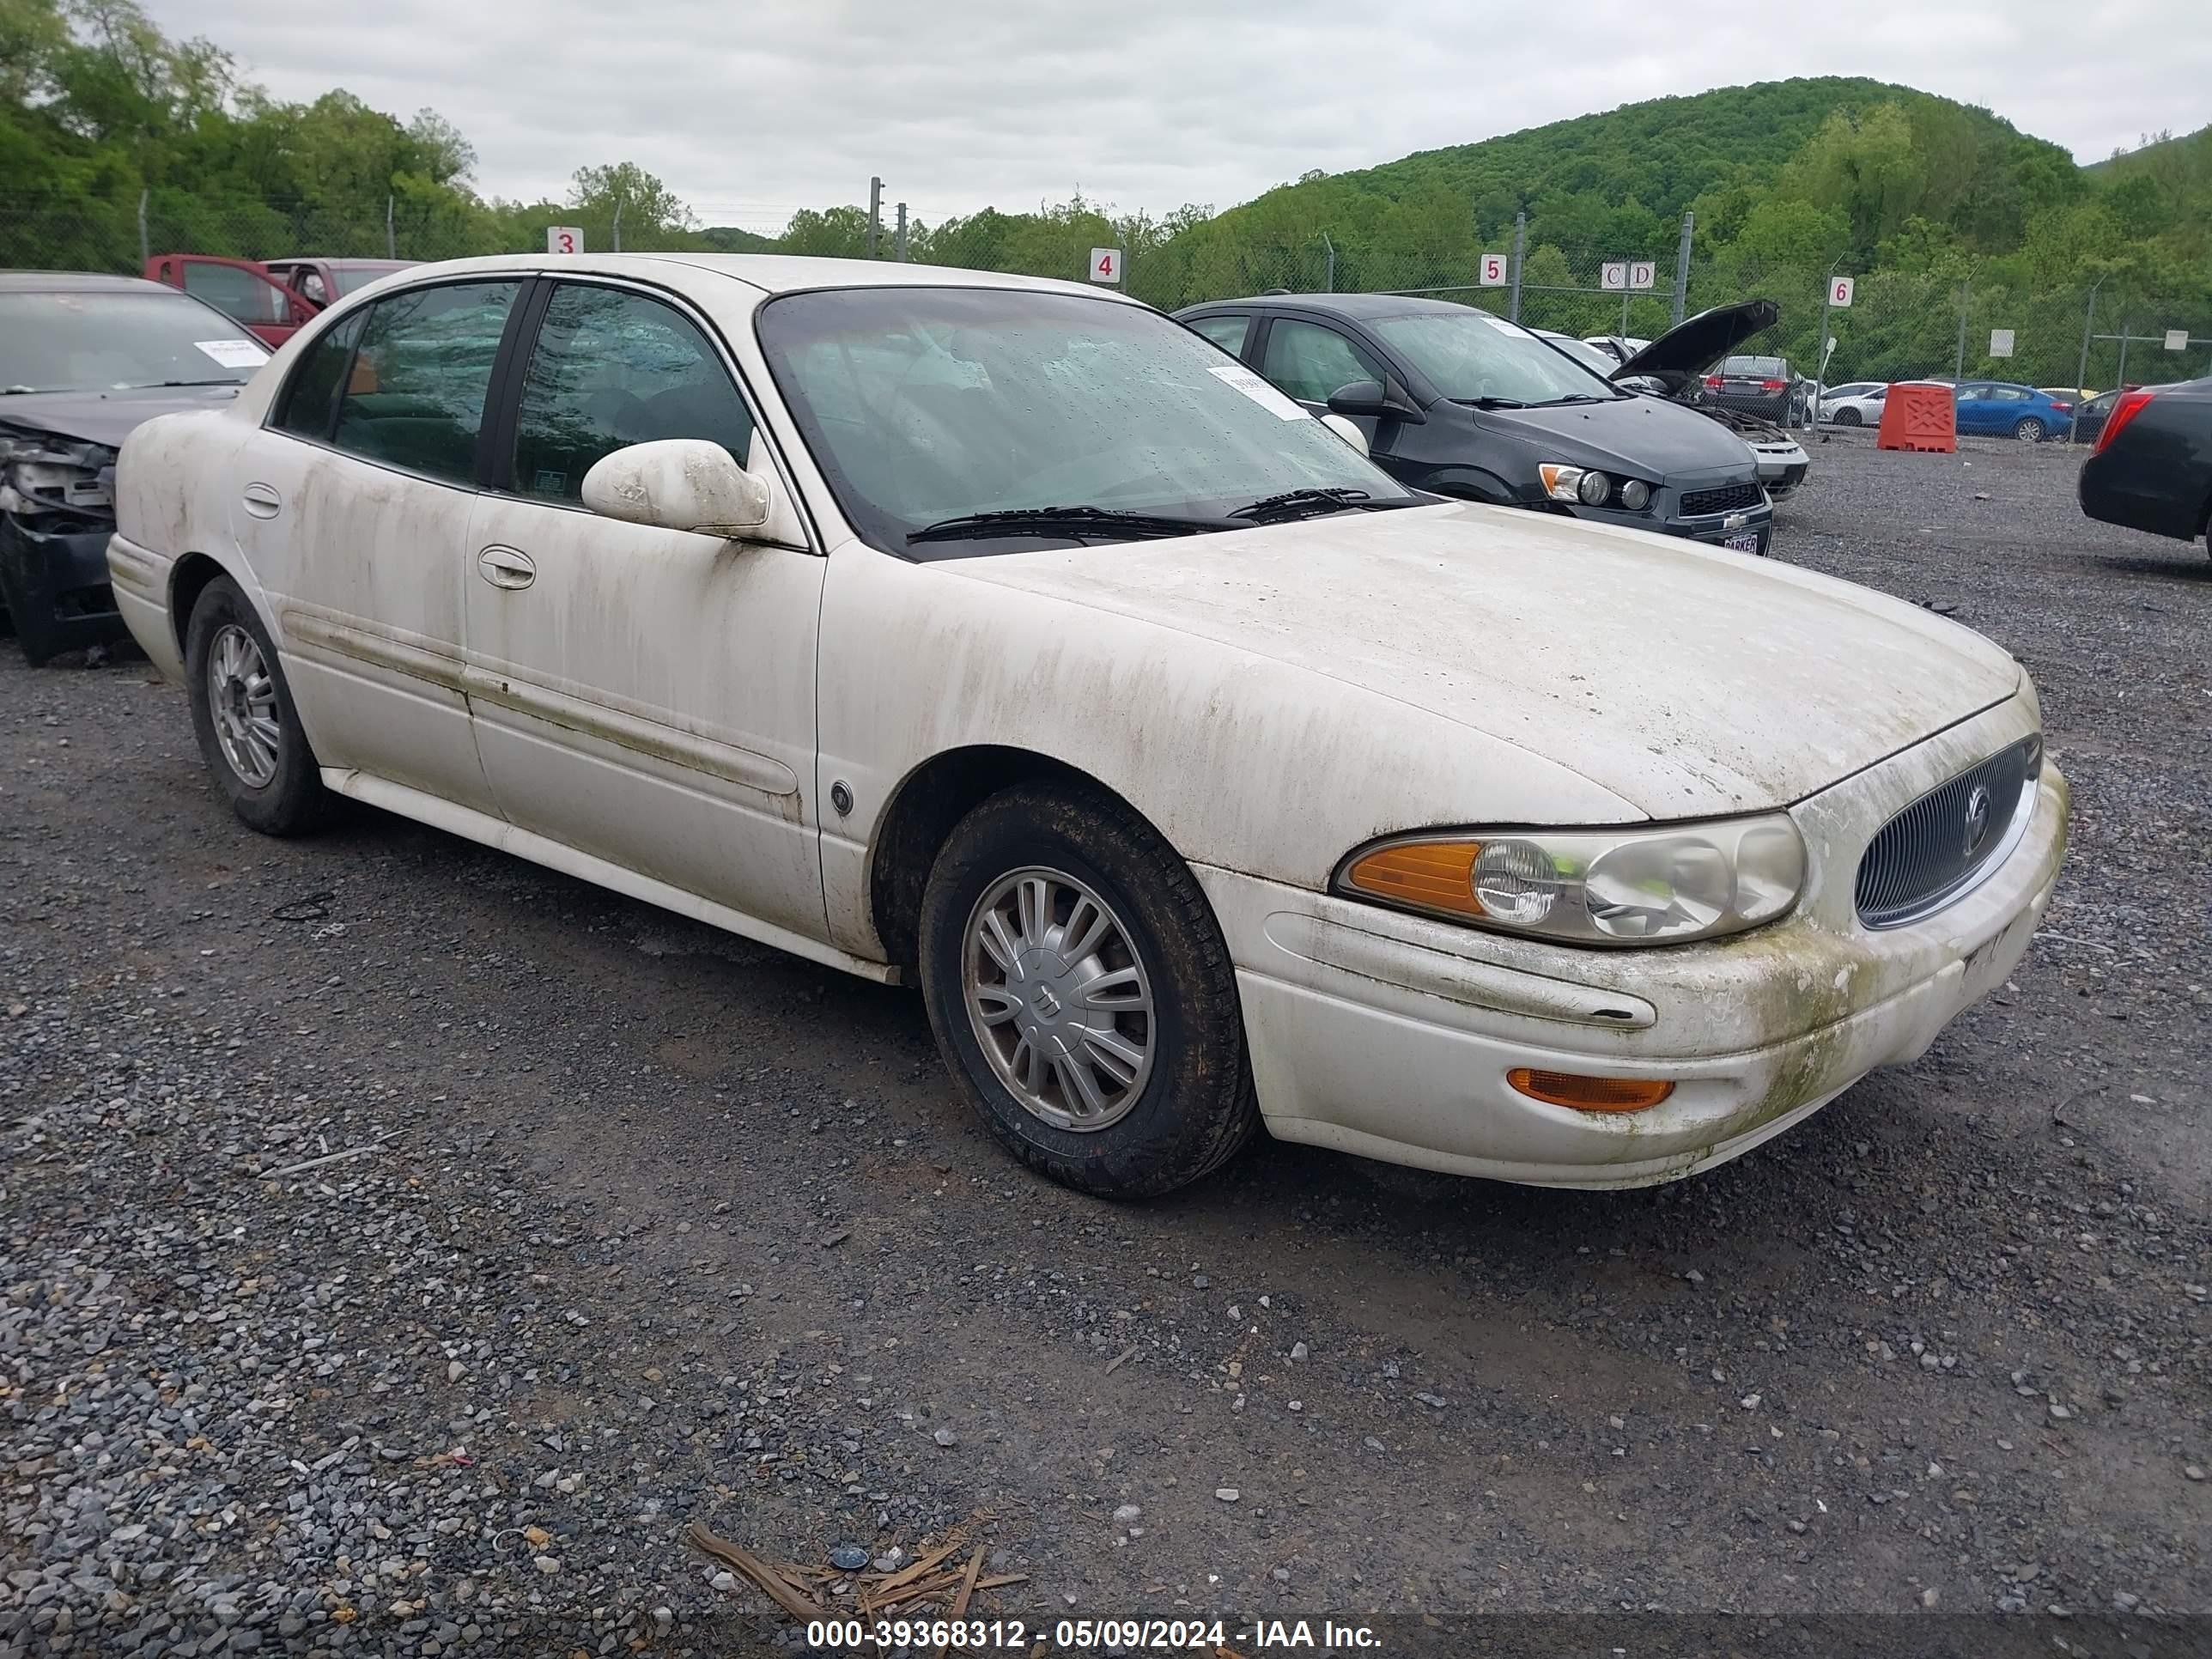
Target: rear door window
x=311 y=396
x=414 y=395
x=612 y=369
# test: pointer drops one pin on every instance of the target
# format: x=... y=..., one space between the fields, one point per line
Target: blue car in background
x=1999 y=409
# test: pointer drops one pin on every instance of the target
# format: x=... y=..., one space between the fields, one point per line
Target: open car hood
x=1692 y=348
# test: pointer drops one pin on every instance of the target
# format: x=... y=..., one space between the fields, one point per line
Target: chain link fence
x=2094 y=334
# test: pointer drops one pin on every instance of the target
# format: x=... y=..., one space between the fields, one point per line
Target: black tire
x=2028 y=429
x=291 y=802
x=1196 y=1108
x=1847 y=417
x=33 y=633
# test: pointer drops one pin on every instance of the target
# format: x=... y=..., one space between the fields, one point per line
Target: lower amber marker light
x=1590 y=1094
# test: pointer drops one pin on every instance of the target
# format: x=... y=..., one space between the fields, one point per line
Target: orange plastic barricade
x=1918 y=415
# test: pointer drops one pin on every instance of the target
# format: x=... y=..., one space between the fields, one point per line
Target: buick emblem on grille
x=1977 y=820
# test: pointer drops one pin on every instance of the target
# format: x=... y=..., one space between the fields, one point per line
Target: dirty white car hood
x=1684 y=679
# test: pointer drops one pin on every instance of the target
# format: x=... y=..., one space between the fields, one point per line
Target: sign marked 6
x=1840 y=291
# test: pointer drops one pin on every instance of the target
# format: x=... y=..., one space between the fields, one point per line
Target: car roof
x=76 y=282
x=1356 y=308
x=771 y=273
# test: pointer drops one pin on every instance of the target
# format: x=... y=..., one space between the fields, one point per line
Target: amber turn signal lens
x=1590 y=1094
x=1436 y=875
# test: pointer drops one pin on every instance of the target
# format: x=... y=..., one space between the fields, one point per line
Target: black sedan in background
x=2151 y=468
x=83 y=359
x=1459 y=401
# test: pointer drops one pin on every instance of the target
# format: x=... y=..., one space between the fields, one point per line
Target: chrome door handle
x=505 y=567
x=262 y=502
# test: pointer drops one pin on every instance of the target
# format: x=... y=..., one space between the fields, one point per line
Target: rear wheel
x=1082 y=994
x=249 y=732
x=2029 y=430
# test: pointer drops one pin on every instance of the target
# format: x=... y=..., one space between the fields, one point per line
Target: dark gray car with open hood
x=1676 y=365
x=1457 y=401
x=85 y=359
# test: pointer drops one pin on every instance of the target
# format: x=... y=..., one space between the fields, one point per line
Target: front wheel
x=1847 y=417
x=1082 y=994
x=249 y=734
x=2029 y=431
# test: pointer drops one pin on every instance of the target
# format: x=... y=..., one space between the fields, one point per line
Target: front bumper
x=1390 y=1035
x=55 y=584
x=1743 y=528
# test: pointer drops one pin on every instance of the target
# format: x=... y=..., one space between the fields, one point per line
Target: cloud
x=747 y=112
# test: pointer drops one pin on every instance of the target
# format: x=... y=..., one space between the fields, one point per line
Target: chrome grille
x=1931 y=852
x=1729 y=498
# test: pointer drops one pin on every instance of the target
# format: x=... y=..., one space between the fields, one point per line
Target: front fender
x=1238 y=760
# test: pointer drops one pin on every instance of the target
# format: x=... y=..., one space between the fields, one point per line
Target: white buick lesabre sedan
x=1004 y=637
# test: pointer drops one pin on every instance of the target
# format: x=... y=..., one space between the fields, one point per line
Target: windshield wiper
x=1300 y=504
x=1574 y=398
x=1490 y=402
x=153 y=385
x=1062 y=521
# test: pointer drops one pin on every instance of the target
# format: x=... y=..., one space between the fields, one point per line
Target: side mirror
x=1361 y=398
x=1369 y=399
x=1346 y=430
x=677 y=484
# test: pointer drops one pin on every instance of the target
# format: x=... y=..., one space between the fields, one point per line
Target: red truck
x=270 y=297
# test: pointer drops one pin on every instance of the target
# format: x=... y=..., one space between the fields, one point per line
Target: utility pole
x=1682 y=267
x=617 y=228
x=1966 y=299
x=390 y=235
x=145 y=247
x=2081 y=374
x=898 y=243
x=875 y=212
x=1329 y=282
x=1520 y=247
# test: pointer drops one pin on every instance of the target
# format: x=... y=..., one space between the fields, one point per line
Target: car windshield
x=1471 y=356
x=110 y=341
x=1582 y=352
x=1766 y=368
x=926 y=406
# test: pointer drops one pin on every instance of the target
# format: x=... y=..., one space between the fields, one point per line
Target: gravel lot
x=623 y=1224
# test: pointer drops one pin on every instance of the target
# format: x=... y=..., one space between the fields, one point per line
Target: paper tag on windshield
x=1260 y=392
x=233 y=354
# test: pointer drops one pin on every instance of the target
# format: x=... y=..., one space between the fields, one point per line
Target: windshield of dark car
x=923 y=405
x=108 y=342
x=1470 y=355
x=1582 y=352
x=1766 y=368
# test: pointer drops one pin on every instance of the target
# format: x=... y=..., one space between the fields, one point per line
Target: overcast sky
x=749 y=110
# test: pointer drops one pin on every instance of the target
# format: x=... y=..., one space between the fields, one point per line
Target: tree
x=650 y=212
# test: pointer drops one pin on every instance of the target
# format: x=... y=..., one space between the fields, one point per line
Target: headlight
x=1588 y=487
x=1648 y=885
